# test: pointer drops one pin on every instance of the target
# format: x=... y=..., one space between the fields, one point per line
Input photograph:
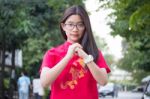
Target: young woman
x=74 y=68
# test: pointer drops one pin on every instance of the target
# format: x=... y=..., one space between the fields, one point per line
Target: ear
x=63 y=26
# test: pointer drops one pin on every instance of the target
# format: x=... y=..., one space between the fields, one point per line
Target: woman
x=74 y=68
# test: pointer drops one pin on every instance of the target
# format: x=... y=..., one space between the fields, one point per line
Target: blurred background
x=122 y=32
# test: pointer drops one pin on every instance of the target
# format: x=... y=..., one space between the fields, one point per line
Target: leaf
x=140 y=17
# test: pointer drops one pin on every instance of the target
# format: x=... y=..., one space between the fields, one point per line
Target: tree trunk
x=2 y=90
x=12 y=74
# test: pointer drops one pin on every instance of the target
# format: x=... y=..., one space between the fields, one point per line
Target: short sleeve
x=48 y=59
x=102 y=63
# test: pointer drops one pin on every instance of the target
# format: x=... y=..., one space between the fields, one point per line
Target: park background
x=29 y=28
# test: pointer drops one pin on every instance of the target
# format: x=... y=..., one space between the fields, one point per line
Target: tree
x=47 y=16
x=10 y=36
x=132 y=22
x=31 y=26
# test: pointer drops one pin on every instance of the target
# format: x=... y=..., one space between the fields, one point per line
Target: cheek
x=82 y=33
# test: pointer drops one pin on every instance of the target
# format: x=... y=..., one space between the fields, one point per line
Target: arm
x=99 y=74
x=49 y=75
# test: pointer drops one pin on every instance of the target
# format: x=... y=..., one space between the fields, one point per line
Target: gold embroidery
x=76 y=74
x=81 y=62
x=81 y=74
x=70 y=84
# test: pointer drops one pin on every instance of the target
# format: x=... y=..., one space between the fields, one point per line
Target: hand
x=72 y=49
x=81 y=53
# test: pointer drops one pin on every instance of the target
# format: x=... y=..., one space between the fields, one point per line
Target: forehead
x=74 y=18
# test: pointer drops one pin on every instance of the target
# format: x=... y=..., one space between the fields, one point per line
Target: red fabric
x=74 y=82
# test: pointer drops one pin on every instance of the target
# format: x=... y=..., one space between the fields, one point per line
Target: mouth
x=76 y=35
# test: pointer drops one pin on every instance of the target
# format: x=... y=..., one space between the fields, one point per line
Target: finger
x=76 y=49
x=78 y=45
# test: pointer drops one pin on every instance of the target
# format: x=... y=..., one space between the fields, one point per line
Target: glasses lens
x=79 y=26
x=69 y=26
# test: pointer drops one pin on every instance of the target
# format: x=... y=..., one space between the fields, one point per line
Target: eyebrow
x=75 y=22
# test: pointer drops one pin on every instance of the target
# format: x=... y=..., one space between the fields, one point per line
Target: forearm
x=99 y=74
x=48 y=75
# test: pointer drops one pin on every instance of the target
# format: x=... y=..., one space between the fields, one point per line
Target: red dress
x=74 y=82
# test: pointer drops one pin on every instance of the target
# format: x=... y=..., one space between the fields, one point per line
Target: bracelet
x=88 y=59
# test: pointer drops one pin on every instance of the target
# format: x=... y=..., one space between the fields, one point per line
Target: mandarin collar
x=66 y=46
x=67 y=43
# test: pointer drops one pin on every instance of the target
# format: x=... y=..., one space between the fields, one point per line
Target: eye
x=70 y=25
x=80 y=25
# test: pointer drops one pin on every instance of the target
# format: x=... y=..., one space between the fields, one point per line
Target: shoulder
x=56 y=49
x=19 y=79
x=26 y=77
x=99 y=52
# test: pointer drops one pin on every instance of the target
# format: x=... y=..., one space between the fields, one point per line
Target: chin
x=75 y=40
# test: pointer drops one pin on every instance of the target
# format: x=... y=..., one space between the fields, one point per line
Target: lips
x=75 y=34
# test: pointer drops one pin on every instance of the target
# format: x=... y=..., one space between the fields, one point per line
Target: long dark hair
x=87 y=40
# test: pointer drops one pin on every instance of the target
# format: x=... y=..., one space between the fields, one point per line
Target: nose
x=75 y=28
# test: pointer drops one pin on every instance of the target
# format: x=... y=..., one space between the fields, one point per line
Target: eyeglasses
x=79 y=26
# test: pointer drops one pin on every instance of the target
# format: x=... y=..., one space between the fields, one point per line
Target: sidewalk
x=16 y=95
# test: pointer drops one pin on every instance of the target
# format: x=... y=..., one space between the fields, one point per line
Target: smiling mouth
x=75 y=35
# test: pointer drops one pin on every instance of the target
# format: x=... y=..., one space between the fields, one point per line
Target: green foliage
x=46 y=16
x=132 y=22
x=140 y=18
x=32 y=26
x=7 y=26
x=6 y=83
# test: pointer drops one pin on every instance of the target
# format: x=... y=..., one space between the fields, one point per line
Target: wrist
x=67 y=57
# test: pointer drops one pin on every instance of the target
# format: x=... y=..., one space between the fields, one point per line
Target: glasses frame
x=71 y=26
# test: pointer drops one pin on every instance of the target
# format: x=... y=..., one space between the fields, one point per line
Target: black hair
x=87 y=40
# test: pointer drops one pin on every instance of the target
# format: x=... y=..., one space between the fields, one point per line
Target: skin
x=73 y=36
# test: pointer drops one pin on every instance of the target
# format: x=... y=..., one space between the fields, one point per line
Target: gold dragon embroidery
x=76 y=74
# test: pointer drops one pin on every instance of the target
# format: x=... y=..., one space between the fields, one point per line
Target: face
x=74 y=28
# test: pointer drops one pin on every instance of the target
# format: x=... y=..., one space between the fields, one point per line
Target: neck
x=71 y=41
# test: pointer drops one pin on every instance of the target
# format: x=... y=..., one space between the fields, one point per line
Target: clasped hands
x=76 y=48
